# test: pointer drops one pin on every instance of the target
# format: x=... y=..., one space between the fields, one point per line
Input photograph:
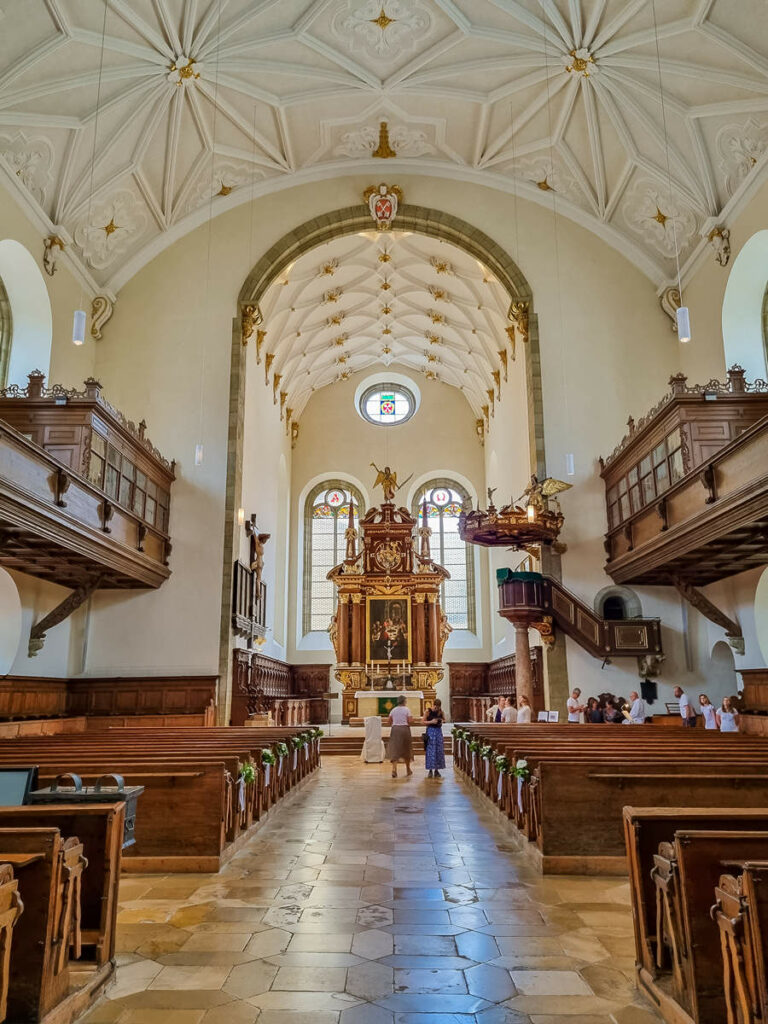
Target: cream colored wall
x=335 y=442
x=606 y=351
x=266 y=491
x=703 y=357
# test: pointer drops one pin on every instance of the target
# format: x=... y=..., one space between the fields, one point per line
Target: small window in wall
x=326 y=514
x=445 y=500
x=617 y=604
x=6 y=334
x=387 y=404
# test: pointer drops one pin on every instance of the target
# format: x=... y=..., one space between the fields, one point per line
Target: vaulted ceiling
x=378 y=298
x=124 y=124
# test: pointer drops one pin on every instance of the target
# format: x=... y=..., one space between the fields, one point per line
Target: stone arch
x=633 y=609
x=10 y=622
x=353 y=219
x=30 y=309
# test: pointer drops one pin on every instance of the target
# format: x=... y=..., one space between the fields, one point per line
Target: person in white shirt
x=574 y=705
x=636 y=713
x=708 y=711
x=524 y=711
x=493 y=714
x=728 y=716
x=687 y=713
x=509 y=712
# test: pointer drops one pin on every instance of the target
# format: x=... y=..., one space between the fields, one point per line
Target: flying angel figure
x=539 y=491
x=387 y=480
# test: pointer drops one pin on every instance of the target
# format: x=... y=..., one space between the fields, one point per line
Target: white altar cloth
x=387 y=693
x=373 y=745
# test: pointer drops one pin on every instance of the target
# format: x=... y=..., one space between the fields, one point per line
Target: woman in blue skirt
x=434 y=756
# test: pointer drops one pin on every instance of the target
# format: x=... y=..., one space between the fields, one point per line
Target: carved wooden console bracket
x=62 y=611
x=710 y=611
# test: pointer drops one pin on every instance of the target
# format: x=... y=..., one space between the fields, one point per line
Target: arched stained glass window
x=445 y=500
x=326 y=514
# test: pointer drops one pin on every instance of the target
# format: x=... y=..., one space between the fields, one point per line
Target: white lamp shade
x=683 y=324
x=198 y=455
x=78 y=327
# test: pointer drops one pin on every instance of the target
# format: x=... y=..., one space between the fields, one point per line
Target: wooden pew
x=581 y=777
x=194 y=800
x=11 y=908
x=741 y=913
x=700 y=858
x=99 y=827
x=49 y=868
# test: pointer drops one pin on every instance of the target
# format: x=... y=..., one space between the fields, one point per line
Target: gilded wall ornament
x=101 y=312
x=381 y=28
x=518 y=314
x=53 y=247
x=401 y=141
x=250 y=318
x=720 y=240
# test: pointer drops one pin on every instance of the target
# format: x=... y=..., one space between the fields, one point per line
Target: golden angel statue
x=538 y=491
x=387 y=480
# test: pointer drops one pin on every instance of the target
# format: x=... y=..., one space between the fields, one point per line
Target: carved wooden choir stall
x=389 y=629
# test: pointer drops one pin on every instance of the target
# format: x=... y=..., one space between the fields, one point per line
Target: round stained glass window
x=387 y=404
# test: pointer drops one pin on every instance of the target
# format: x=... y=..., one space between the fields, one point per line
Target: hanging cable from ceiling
x=80 y=317
x=570 y=466
x=199 y=447
x=682 y=314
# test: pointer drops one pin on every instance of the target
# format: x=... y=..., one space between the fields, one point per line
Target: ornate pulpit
x=389 y=630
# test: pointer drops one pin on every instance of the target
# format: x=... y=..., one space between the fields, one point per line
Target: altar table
x=381 y=702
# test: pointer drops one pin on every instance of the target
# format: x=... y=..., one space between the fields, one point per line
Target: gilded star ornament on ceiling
x=176 y=110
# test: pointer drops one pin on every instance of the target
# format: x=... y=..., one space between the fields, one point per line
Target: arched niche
x=610 y=600
x=30 y=310
x=721 y=673
x=10 y=622
x=744 y=342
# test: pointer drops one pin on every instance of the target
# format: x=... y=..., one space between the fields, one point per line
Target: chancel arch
x=744 y=309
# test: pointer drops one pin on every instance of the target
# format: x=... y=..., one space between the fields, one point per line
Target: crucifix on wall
x=258 y=540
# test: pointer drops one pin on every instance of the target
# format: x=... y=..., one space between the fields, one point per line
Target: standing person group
x=725 y=718
x=504 y=711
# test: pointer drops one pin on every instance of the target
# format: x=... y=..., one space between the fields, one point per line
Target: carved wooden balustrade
x=475 y=684
x=84 y=496
x=687 y=488
x=291 y=693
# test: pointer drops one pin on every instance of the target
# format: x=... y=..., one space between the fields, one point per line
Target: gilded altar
x=389 y=629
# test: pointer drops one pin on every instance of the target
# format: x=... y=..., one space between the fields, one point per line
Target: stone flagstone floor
x=364 y=900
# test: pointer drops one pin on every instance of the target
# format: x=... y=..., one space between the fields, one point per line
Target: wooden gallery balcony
x=84 y=496
x=687 y=488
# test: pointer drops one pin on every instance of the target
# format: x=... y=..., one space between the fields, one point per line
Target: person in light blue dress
x=434 y=755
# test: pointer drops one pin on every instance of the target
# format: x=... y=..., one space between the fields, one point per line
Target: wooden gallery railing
x=687 y=488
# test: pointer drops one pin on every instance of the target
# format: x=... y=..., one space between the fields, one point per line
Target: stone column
x=523 y=667
x=342 y=627
x=420 y=631
x=434 y=629
x=357 y=629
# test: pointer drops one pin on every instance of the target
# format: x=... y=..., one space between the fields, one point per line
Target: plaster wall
x=335 y=442
x=606 y=351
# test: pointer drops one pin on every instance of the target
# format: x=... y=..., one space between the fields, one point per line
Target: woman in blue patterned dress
x=434 y=757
